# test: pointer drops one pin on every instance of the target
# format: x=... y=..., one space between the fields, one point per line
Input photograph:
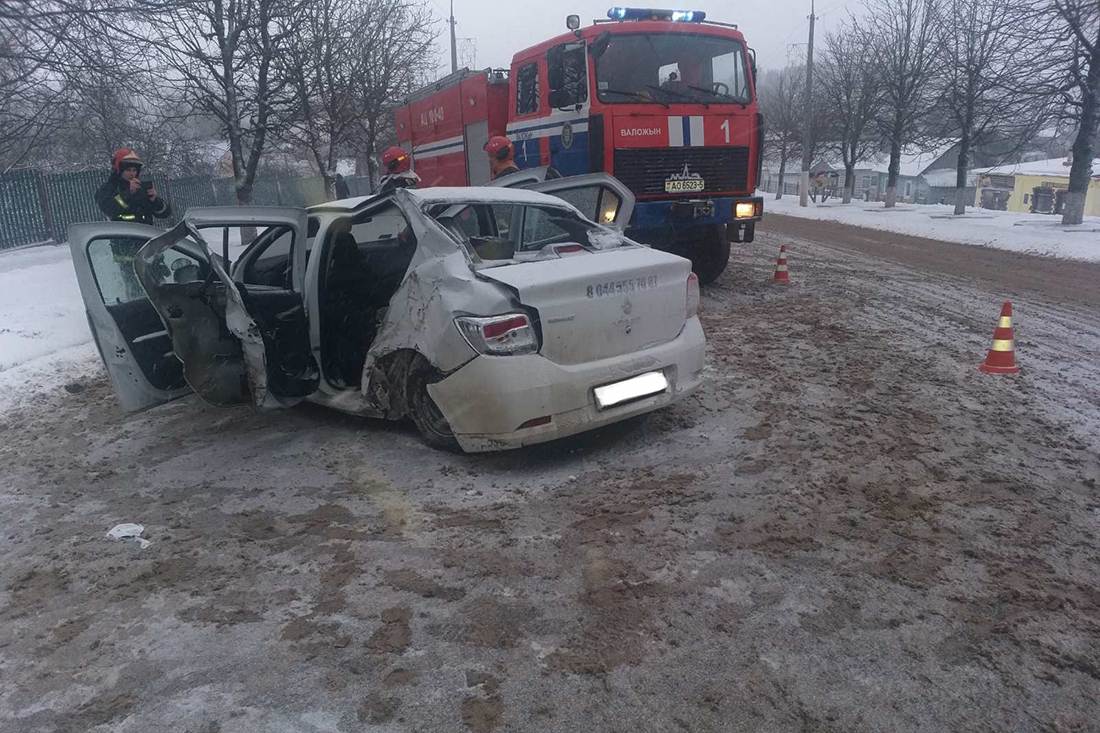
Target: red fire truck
x=664 y=100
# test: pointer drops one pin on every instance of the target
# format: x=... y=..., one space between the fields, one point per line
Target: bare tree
x=398 y=54
x=904 y=50
x=781 y=96
x=219 y=56
x=1074 y=38
x=851 y=90
x=344 y=66
x=985 y=95
x=31 y=40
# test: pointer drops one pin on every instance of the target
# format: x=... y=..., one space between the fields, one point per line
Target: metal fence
x=36 y=207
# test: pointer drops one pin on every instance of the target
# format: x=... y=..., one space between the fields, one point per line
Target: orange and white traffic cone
x=1002 y=355
x=781 y=274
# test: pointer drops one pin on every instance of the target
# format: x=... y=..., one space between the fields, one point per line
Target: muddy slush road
x=849 y=529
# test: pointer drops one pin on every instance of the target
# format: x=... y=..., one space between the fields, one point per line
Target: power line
x=782 y=45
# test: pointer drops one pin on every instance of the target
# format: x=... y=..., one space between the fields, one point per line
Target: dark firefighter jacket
x=116 y=201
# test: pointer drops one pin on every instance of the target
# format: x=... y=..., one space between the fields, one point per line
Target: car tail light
x=506 y=335
x=693 y=295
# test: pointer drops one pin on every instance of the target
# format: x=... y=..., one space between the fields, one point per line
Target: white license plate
x=643 y=385
x=684 y=184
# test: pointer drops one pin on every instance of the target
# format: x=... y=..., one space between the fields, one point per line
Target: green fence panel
x=26 y=217
x=225 y=194
x=72 y=199
x=301 y=191
x=22 y=214
x=183 y=193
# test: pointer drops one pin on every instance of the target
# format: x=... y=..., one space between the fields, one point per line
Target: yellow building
x=1040 y=186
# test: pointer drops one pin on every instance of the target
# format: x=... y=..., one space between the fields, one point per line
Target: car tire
x=709 y=253
x=423 y=411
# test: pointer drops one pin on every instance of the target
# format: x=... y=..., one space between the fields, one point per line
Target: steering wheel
x=725 y=88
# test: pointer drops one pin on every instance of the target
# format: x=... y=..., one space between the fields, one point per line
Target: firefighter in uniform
x=502 y=159
x=397 y=164
x=123 y=197
x=502 y=156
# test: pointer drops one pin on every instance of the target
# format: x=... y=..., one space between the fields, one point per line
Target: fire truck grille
x=644 y=171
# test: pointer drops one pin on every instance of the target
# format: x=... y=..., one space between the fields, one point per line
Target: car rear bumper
x=488 y=399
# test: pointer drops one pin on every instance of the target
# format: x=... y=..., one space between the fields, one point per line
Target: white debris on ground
x=129 y=531
x=44 y=336
x=1041 y=234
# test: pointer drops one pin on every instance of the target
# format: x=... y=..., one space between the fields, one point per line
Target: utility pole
x=454 y=46
x=807 y=134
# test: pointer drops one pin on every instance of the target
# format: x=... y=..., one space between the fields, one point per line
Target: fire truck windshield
x=672 y=68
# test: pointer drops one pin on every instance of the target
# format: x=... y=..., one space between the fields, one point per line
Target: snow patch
x=44 y=336
x=1028 y=233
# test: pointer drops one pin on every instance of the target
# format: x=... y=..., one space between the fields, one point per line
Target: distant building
x=1039 y=186
x=871 y=176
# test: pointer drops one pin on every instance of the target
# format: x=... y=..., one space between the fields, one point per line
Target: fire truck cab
x=664 y=100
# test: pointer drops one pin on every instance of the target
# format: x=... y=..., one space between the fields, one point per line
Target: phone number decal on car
x=600 y=290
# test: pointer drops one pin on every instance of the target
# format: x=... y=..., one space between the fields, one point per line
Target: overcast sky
x=502 y=27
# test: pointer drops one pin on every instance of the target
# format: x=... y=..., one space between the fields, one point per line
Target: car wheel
x=709 y=253
x=423 y=411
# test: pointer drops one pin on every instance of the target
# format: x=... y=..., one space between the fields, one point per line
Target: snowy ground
x=1031 y=233
x=44 y=337
x=848 y=529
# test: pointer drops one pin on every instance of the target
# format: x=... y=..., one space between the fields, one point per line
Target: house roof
x=946 y=177
x=913 y=162
x=1051 y=168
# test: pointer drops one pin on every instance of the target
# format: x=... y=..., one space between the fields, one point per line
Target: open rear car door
x=131 y=339
x=600 y=197
x=238 y=342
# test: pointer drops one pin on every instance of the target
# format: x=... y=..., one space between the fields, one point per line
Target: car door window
x=586 y=199
x=270 y=264
x=543 y=225
x=112 y=261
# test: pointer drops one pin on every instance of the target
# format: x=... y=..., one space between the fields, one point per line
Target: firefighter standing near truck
x=395 y=161
x=502 y=159
x=124 y=197
x=502 y=156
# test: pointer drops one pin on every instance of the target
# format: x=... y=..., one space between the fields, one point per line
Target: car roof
x=448 y=195
x=485 y=194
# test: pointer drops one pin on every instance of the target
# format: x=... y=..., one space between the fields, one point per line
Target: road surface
x=849 y=529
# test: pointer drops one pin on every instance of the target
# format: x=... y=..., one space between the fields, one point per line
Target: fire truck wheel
x=709 y=253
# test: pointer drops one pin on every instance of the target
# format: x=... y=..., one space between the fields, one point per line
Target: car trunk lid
x=602 y=304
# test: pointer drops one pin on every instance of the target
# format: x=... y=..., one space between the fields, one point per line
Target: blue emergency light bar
x=679 y=16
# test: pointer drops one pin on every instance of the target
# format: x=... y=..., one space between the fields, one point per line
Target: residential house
x=871 y=176
x=1037 y=186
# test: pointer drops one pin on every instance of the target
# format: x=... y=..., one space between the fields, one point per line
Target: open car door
x=131 y=339
x=238 y=342
x=600 y=197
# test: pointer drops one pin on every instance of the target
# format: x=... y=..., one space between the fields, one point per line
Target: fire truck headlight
x=744 y=210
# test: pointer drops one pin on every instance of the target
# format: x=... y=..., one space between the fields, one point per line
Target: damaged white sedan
x=493 y=318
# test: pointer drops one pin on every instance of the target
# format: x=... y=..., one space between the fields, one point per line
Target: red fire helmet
x=395 y=160
x=499 y=147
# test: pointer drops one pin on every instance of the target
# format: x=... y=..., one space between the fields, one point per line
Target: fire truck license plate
x=681 y=185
